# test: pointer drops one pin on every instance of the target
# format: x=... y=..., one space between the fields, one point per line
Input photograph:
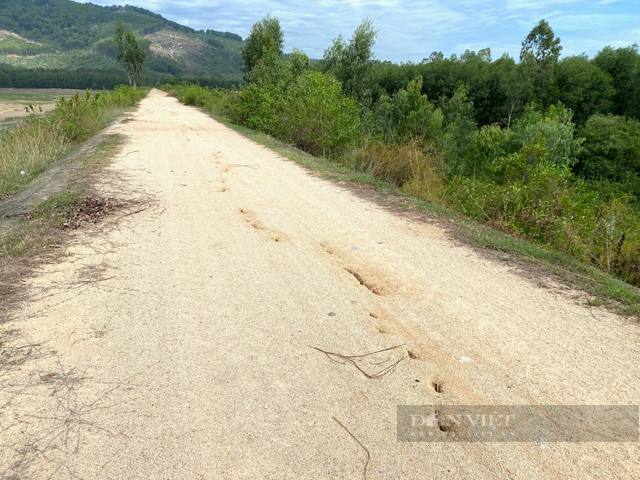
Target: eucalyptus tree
x=538 y=57
x=266 y=39
x=351 y=62
x=130 y=54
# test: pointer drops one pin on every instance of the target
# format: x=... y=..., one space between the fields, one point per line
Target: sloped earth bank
x=176 y=342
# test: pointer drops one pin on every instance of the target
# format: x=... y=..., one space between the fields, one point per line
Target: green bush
x=405 y=116
x=611 y=150
x=212 y=99
x=317 y=117
x=537 y=199
x=288 y=100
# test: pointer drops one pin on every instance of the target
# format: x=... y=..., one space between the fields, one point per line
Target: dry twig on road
x=366 y=464
x=352 y=359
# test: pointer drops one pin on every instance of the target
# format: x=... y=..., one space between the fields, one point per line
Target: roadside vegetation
x=43 y=227
x=30 y=147
x=544 y=150
x=41 y=235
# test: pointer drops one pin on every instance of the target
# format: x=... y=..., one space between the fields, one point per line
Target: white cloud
x=410 y=31
x=536 y=4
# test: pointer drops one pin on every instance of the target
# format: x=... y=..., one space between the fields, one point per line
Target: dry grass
x=30 y=147
x=27 y=151
x=414 y=168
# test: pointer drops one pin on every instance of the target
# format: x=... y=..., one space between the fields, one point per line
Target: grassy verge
x=33 y=145
x=603 y=289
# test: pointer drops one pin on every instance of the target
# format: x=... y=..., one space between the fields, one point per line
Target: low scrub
x=287 y=100
x=416 y=169
x=29 y=148
x=316 y=116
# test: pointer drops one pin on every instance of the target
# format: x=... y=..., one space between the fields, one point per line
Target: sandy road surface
x=175 y=343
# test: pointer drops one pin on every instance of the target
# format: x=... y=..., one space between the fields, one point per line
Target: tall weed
x=29 y=148
x=416 y=169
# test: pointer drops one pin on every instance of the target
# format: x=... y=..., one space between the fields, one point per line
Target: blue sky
x=410 y=31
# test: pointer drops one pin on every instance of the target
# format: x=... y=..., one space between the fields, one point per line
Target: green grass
x=603 y=289
x=13 y=46
x=27 y=96
x=69 y=60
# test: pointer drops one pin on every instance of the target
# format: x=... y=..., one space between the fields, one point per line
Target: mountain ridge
x=70 y=36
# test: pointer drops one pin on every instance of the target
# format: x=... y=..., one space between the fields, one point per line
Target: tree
x=542 y=44
x=460 y=131
x=129 y=52
x=406 y=116
x=351 y=62
x=538 y=57
x=298 y=62
x=266 y=38
x=611 y=150
x=552 y=129
x=580 y=85
x=435 y=56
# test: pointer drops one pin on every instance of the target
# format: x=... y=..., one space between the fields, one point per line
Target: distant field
x=14 y=100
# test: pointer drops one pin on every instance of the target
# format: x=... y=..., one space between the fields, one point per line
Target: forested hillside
x=68 y=36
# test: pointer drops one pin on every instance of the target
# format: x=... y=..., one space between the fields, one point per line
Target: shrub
x=405 y=116
x=611 y=150
x=536 y=198
x=317 y=117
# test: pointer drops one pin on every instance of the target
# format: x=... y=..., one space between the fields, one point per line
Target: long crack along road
x=176 y=343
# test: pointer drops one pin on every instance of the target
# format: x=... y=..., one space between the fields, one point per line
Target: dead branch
x=241 y=165
x=366 y=464
x=94 y=281
x=342 y=359
x=137 y=211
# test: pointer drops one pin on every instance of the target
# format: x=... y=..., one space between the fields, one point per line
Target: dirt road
x=175 y=343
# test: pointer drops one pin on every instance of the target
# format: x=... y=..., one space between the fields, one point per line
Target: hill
x=62 y=35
